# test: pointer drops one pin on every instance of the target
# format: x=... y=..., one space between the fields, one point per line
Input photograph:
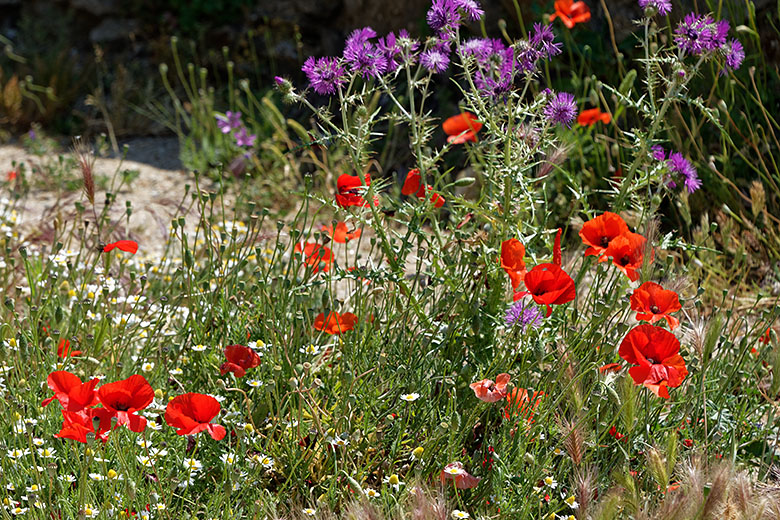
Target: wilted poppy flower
x=570 y=12
x=628 y=253
x=335 y=323
x=512 y=253
x=592 y=116
x=653 y=303
x=239 y=360
x=462 y=128
x=192 y=413
x=521 y=404
x=314 y=254
x=341 y=233
x=68 y=389
x=656 y=351
x=600 y=231
x=121 y=400
x=413 y=185
x=128 y=246
x=463 y=480
x=63 y=349
x=490 y=392
x=350 y=190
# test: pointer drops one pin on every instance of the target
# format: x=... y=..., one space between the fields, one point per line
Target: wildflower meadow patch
x=484 y=332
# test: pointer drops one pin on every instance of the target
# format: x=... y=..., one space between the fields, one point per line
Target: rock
x=113 y=29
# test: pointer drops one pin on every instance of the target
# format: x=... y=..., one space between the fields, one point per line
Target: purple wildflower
x=699 y=34
x=390 y=50
x=521 y=315
x=325 y=75
x=230 y=121
x=364 y=57
x=735 y=53
x=443 y=16
x=543 y=40
x=479 y=47
x=683 y=167
x=242 y=139
x=561 y=109
x=471 y=8
x=659 y=154
x=663 y=7
x=31 y=134
x=435 y=60
x=496 y=69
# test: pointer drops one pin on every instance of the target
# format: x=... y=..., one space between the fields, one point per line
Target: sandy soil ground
x=156 y=194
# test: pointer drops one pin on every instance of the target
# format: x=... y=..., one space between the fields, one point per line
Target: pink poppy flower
x=490 y=392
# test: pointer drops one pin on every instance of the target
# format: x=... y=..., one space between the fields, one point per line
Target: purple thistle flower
x=683 y=167
x=435 y=60
x=363 y=56
x=390 y=50
x=518 y=314
x=659 y=154
x=325 y=75
x=696 y=35
x=443 y=16
x=495 y=68
x=471 y=8
x=242 y=139
x=735 y=53
x=479 y=47
x=663 y=7
x=561 y=109
x=543 y=40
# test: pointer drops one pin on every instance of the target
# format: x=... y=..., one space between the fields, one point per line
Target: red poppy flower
x=628 y=253
x=68 y=389
x=592 y=116
x=413 y=184
x=341 y=233
x=512 y=253
x=63 y=349
x=462 y=128
x=128 y=246
x=656 y=351
x=600 y=231
x=463 y=480
x=766 y=337
x=522 y=404
x=653 y=303
x=335 y=323
x=490 y=392
x=548 y=284
x=121 y=400
x=11 y=175
x=314 y=255
x=570 y=12
x=239 y=360
x=610 y=367
x=192 y=413
x=350 y=190
x=76 y=426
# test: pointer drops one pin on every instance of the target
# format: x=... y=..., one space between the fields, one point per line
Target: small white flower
x=147 y=367
x=460 y=514
x=228 y=459
x=410 y=398
x=309 y=511
x=193 y=465
x=47 y=453
x=199 y=348
x=17 y=453
x=311 y=350
x=176 y=371
x=254 y=383
x=551 y=482
x=371 y=493
x=97 y=477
